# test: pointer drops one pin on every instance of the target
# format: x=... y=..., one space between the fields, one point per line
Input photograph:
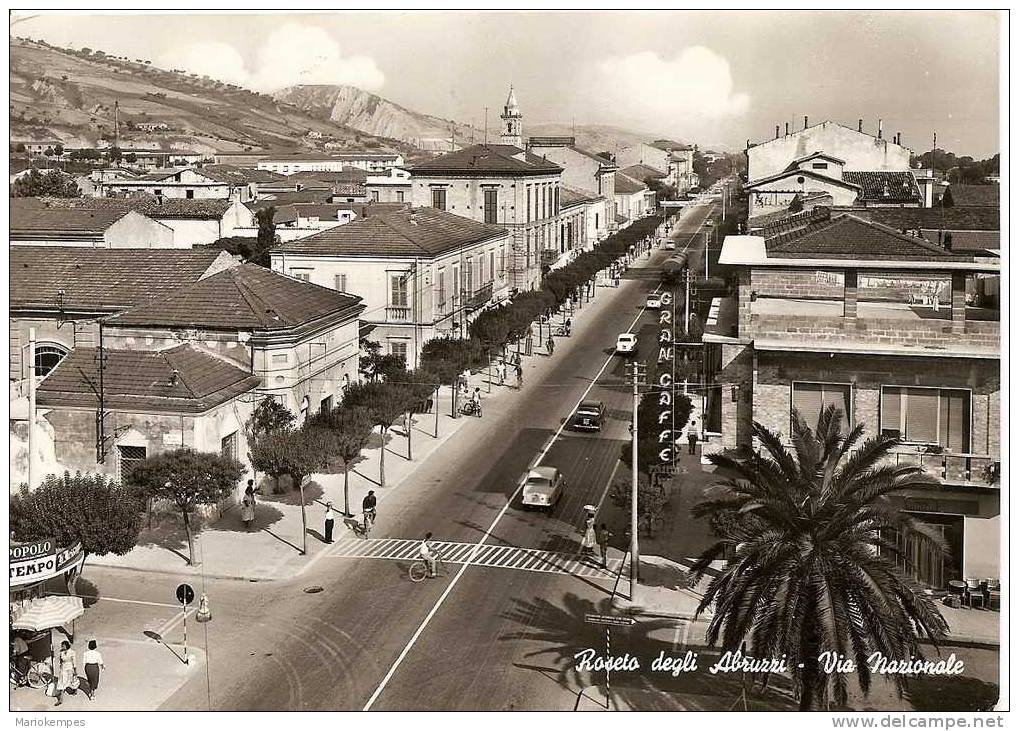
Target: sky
x=713 y=78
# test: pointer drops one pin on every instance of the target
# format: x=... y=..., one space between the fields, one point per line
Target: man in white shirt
x=428 y=554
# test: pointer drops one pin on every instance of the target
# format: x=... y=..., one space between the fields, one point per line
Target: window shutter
x=922 y=415
x=953 y=431
x=807 y=401
x=839 y=395
x=891 y=410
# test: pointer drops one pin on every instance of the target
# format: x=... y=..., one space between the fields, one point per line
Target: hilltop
x=69 y=96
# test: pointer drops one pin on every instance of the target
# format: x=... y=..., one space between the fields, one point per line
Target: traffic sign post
x=185 y=595
x=610 y=621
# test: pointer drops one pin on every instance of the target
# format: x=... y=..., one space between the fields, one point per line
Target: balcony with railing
x=397 y=314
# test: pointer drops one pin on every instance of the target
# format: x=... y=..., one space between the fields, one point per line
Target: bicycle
x=37 y=675
x=471 y=408
x=418 y=570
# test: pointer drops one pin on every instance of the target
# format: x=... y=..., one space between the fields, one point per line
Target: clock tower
x=512 y=122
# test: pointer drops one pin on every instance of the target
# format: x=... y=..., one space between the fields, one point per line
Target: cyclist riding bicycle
x=428 y=553
x=368 y=508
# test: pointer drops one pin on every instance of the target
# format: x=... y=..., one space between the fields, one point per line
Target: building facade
x=372 y=161
x=898 y=334
x=582 y=170
x=421 y=272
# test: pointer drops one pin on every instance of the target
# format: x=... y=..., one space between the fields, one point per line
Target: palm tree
x=811 y=567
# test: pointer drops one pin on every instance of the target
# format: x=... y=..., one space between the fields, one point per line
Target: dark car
x=588 y=416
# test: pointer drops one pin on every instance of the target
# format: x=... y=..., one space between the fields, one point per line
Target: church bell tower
x=512 y=122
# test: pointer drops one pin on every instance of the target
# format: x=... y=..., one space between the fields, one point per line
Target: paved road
x=370 y=636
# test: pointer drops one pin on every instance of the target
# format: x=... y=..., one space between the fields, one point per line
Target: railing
x=957 y=468
x=397 y=314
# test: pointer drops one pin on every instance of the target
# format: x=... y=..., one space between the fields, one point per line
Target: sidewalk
x=271 y=551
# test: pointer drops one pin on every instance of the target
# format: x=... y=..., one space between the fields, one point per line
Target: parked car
x=543 y=486
x=670 y=244
x=626 y=344
x=588 y=416
x=654 y=301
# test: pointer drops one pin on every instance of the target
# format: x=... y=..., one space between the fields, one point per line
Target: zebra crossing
x=492 y=556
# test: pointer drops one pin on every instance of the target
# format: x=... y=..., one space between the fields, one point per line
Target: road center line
x=477 y=547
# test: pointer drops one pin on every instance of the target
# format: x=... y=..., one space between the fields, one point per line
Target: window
x=491 y=266
x=46 y=358
x=502 y=262
x=375 y=196
x=440 y=286
x=528 y=204
x=398 y=290
x=555 y=210
x=127 y=458
x=491 y=205
x=305 y=403
x=340 y=282
x=809 y=399
x=158 y=192
x=927 y=416
x=326 y=405
x=399 y=348
x=469 y=276
x=303 y=274
x=544 y=201
x=819 y=165
x=189 y=193
x=456 y=285
x=279 y=359
x=439 y=198
x=399 y=196
x=800 y=179
x=596 y=220
x=228 y=446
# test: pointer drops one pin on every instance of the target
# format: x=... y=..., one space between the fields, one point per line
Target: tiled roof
x=818 y=154
x=773 y=224
x=975 y=195
x=953 y=218
x=288 y=198
x=900 y=186
x=100 y=279
x=849 y=237
x=352 y=190
x=31 y=216
x=177 y=208
x=488 y=159
x=303 y=156
x=626 y=185
x=795 y=172
x=404 y=232
x=643 y=172
x=244 y=297
x=239 y=176
x=573 y=196
x=326 y=177
x=181 y=379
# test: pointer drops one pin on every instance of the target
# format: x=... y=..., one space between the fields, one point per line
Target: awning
x=47 y=612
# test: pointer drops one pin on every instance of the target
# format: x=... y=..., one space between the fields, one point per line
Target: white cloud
x=696 y=85
x=292 y=54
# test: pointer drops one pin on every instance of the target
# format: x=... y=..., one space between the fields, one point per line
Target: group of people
x=595 y=536
x=368 y=511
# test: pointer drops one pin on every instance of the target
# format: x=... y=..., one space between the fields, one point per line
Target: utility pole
x=31 y=406
x=639 y=372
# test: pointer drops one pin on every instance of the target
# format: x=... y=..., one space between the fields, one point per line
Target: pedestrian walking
x=248 y=505
x=569 y=326
x=94 y=666
x=465 y=378
x=520 y=375
x=590 y=539
x=691 y=437
x=501 y=371
x=330 y=522
x=604 y=535
x=550 y=345
x=476 y=402
x=67 y=675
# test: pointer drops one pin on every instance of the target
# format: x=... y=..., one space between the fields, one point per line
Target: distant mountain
x=359 y=109
x=76 y=97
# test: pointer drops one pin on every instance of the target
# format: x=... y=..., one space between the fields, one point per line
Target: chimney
x=859 y=125
x=804 y=121
x=787 y=129
x=776 y=131
x=880 y=126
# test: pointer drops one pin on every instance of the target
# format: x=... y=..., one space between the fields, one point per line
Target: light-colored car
x=543 y=486
x=626 y=343
x=653 y=301
x=670 y=244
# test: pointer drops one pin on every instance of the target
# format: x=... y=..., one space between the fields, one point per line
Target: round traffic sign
x=185 y=594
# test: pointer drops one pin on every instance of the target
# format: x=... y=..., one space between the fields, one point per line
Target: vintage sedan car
x=588 y=416
x=626 y=344
x=653 y=301
x=543 y=486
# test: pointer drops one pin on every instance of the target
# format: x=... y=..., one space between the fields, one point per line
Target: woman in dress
x=68 y=670
x=590 y=539
x=93 y=665
x=248 y=506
